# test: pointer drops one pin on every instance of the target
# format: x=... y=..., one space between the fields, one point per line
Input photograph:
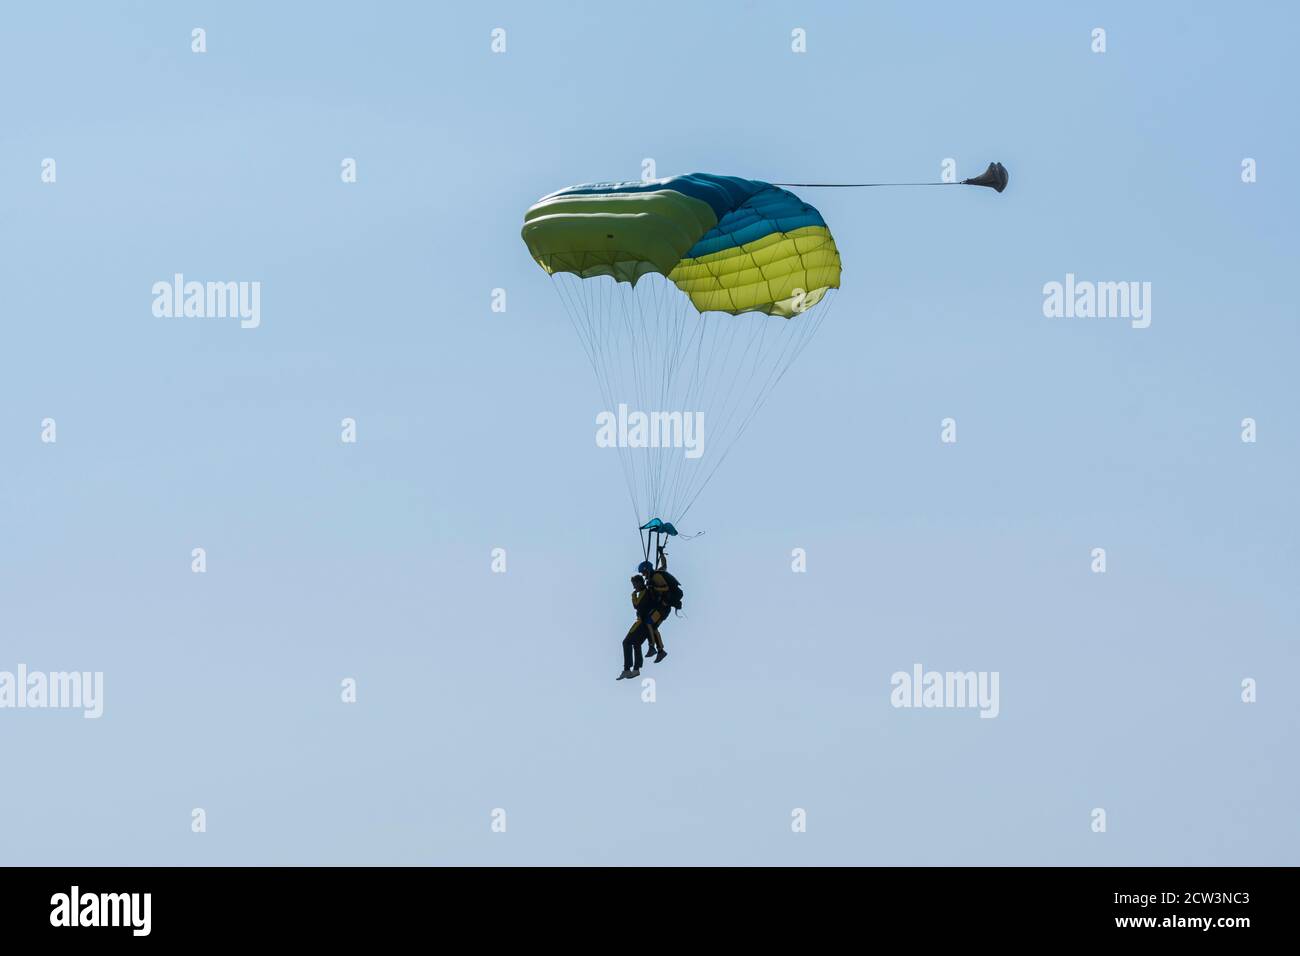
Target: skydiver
x=639 y=631
x=655 y=592
x=659 y=607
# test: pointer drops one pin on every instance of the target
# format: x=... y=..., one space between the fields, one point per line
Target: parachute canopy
x=732 y=245
x=655 y=277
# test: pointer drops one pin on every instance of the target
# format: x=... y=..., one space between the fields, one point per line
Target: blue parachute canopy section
x=655 y=526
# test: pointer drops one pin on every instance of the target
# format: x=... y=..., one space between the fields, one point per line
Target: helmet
x=645 y=567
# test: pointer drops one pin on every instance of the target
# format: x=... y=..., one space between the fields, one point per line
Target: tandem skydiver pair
x=655 y=593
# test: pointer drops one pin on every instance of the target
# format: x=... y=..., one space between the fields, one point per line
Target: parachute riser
x=652 y=542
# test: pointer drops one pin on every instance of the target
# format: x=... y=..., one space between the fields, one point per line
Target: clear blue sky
x=371 y=561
